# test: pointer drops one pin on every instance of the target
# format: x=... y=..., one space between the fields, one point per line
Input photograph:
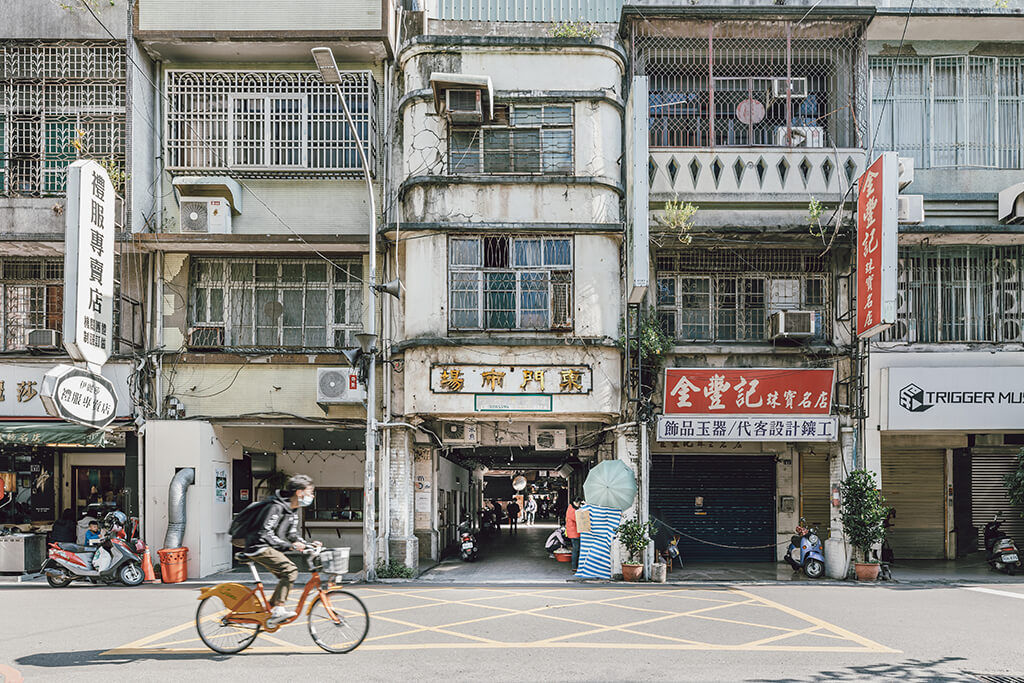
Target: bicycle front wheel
x=219 y=634
x=338 y=621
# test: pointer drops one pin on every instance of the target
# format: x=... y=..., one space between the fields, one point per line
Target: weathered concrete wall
x=42 y=19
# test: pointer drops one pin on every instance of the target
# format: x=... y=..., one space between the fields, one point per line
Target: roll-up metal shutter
x=815 y=492
x=737 y=505
x=988 y=492
x=913 y=483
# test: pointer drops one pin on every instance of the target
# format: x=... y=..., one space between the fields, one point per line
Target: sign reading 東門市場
x=877 y=226
x=510 y=379
x=89 y=264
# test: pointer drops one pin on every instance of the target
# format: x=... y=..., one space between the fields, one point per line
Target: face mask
x=305 y=501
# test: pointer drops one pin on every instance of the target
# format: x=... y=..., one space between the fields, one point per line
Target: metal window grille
x=255 y=122
x=727 y=294
x=59 y=101
x=275 y=303
x=955 y=111
x=529 y=139
x=959 y=294
x=751 y=83
x=510 y=282
x=33 y=298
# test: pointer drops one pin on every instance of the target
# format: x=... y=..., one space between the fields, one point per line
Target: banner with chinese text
x=877 y=209
x=748 y=391
x=758 y=428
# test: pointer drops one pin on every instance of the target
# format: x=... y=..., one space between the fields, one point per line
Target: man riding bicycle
x=277 y=531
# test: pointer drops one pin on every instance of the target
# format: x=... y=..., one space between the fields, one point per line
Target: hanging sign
x=748 y=391
x=77 y=395
x=757 y=428
x=89 y=264
x=877 y=247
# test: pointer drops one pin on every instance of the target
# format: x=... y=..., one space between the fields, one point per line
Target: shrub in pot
x=635 y=536
x=863 y=514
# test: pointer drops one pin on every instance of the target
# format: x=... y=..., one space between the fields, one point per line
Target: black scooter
x=467 y=542
x=1000 y=551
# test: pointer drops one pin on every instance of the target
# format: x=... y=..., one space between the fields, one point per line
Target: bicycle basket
x=334 y=560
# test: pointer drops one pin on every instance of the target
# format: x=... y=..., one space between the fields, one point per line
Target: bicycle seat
x=75 y=548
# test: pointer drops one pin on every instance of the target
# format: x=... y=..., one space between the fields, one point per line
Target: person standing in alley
x=512 y=509
x=531 y=511
x=571 y=532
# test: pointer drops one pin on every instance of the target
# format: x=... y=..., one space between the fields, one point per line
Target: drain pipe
x=176 y=496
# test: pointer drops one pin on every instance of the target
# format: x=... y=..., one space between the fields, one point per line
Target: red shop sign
x=876 y=246
x=748 y=391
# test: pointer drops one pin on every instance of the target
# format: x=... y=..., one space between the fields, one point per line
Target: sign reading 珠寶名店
x=89 y=264
x=960 y=398
x=877 y=227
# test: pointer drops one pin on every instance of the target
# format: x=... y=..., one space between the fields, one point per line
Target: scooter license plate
x=1009 y=557
x=467 y=545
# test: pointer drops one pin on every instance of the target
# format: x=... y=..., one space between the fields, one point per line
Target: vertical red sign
x=876 y=246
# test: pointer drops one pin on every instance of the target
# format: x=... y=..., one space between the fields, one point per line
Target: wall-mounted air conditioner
x=800 y=136
x=338 y=386
x=205 y=215
x=458 y=433
x=793 y=324
x=910 y=209
x=43 y=339
x=463 y=106
x=206 y=337
x=798 y=87
x=549 y=440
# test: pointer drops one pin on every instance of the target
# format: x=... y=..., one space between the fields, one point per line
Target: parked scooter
x=467 y=542
x=557 y=541
x=1000 y=551
x=811 y=557
x=112 y=560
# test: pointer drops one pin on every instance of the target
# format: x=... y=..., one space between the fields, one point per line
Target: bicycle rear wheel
x=338 y=621
x=220 y=635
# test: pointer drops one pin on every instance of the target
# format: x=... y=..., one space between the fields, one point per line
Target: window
x=727 y=295
x=336 y=504
x=959 y=111
x=58 y=102
x=532 y=139
x=959 y=294
x=510 y=283
x=271 y=303
x=253 y=121
x=33 y=298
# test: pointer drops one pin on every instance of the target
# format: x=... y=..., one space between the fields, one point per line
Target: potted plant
x=635 y=536
x=863 y=514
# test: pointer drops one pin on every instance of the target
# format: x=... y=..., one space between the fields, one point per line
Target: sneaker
x=279 y=614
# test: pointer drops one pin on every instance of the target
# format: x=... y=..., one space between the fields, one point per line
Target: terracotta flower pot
x=632 y=572
x=866 y=572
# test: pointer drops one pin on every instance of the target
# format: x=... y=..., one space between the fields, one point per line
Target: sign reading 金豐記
x=748 y=391
x=877 y=212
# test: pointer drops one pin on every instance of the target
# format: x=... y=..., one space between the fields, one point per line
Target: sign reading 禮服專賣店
x=959 y=398
x=79 y=395
x=877 y=226
x=89 y=264
x=510 y=379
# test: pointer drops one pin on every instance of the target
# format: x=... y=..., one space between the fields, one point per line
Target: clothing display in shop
x=596 y=544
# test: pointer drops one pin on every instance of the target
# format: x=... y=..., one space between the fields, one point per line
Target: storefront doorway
x=913 y=483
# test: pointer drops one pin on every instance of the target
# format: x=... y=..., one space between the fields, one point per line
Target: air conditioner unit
x=43 y=339
x=205 y=215
x=800 y=136
x=798 y=87
x=793 y=324
x=549 y=440
x=206 y=337
x=911 y=209
x=906 y=171
x=463 y=106
x=564 y=471
x=336 y=386
x=458 y=433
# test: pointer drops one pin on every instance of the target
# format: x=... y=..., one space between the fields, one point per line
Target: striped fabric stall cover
x=596 y=544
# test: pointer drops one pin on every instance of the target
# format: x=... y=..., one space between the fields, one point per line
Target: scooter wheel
x=814 y=569
x=130 y=574
x=58 y=581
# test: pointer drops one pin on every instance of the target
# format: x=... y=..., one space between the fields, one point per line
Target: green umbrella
x=610 y=485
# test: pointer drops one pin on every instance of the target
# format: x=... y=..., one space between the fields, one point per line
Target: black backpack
x=248 y=520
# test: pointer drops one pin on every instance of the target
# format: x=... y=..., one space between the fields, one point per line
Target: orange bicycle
x=231 y=615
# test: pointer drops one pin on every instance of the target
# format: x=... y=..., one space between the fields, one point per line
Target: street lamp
x=324 y=58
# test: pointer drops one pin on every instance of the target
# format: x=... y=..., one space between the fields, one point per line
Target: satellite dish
x=519 y=483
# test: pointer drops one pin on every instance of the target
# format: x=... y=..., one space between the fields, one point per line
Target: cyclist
x=277 y=531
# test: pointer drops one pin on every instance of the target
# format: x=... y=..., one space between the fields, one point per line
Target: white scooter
x=110 y=561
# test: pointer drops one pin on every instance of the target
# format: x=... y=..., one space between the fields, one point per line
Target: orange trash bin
x=173 y=564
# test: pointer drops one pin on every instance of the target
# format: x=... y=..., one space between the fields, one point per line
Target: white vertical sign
x=89 y=264
x=637 y=191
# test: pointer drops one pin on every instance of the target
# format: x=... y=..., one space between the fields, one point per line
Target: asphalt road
x=538 y=633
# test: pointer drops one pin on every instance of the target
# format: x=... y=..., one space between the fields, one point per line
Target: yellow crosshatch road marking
x=723 y=619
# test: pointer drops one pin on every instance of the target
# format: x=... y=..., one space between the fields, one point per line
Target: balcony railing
x=755 y=170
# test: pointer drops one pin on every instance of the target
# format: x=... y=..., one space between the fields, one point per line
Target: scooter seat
x=75 y=548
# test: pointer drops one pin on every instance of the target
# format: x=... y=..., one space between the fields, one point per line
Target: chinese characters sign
x=506 y=379
x=760 y=428
x=748 y=391
x=89 y=264
x=876 y=246
x=77 y=395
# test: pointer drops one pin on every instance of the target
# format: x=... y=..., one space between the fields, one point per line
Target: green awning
x=49 y=434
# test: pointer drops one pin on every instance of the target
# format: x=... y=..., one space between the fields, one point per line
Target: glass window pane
x=316 y=272
x=464 y=307
x=216 y=305
x=241 y=272
x=355 y=306
x=199 y=312
x=557 y=151
x=340 y=307
x=292 y=299
x=241 y=318
x=499 y=300
x=215 y=271
x=464 y=152
x=557 y=252
x=291 y=272
x=557 y=116
x=666 y=291
x=527 y=252
x=465 y=252
x=316 y=318
x=497 y=153
x=534 y=300
x=527 y=116
x=496 y=252
x=526 y=157
x=266 y=272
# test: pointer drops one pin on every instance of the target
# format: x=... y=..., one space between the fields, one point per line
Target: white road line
x=993 y=591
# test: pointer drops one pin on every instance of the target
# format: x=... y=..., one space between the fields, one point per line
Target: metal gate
x=913 y=483
x=728 y=500
x=815 y=492
x=988 y=492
